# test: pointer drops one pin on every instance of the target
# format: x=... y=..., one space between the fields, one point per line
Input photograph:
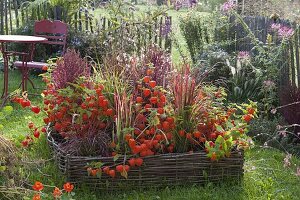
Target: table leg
x=32 y=48
x=5 y=63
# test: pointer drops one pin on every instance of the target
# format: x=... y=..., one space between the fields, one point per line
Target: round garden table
x=26 y=56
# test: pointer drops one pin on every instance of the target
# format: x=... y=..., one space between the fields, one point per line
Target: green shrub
x=244 y=85
x=87 y=43
x=197 y=32
x=211 y=65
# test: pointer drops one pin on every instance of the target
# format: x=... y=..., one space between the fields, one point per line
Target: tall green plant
x=64 y=9
x=196 y=30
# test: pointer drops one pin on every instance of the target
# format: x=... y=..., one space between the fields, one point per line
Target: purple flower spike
x=285 y=32
x=228 y=6
x=275 y=27
x=269 y=84
x=243 y=55
x=166 y=28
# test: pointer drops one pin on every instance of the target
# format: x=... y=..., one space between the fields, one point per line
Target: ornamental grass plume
x=69 y=68
x=124 y=114
x=184 y=87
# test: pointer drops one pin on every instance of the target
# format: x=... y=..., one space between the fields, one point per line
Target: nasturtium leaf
x=220 y=140
x=229 y=124
x=96 y=164
x=219 y=128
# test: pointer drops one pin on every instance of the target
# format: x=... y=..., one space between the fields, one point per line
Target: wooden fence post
x=6 y=17
x=16 y=13
x=2 y=17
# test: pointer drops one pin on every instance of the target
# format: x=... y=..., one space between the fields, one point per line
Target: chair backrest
x=55 y=31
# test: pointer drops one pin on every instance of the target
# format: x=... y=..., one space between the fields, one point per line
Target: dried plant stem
x=287 y=105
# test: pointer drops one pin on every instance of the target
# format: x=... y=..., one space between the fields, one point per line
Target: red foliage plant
x=82 y=112
x=69 y=68
x=160 y=62
x=132 y=68
x=203 y=120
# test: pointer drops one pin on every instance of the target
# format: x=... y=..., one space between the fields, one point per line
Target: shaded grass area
x=265 y=177
x=16 y=124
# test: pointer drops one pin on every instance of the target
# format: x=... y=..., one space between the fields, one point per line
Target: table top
x=21 y=38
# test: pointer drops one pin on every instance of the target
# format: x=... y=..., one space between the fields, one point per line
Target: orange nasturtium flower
x=45 y=68
x=37 y=197
x=56 y=192
x=68 y=187
x=38 y=186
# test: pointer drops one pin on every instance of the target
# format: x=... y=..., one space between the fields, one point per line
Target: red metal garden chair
x=56 y=33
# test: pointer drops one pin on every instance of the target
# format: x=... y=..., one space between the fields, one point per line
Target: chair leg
x=23 y=71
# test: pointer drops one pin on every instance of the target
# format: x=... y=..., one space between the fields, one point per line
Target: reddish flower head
x=68 y=187
x=36 y=197
x=45 y=68
x=38 y=186
x=56 y=192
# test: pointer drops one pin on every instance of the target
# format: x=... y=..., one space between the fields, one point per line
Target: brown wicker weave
x=158 y=170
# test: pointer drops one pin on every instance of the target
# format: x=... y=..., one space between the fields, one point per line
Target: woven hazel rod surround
x=158 y=170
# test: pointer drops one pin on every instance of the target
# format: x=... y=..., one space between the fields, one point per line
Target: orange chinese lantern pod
x=146 y=79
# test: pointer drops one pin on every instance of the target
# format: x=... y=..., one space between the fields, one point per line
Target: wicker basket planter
x=166 y=169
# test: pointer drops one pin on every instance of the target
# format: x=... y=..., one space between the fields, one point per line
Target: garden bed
x=158 y=170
